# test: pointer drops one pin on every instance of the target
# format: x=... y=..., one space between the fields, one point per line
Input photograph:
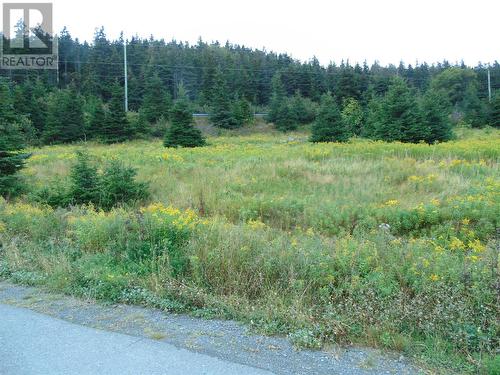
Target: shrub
x=182 y=131
x=84 y=180
x=118 y=186
x=115 y=185
x=329 y=126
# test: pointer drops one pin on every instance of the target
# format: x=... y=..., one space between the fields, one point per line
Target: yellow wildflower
x=439 y=249
x=456 y=244
x=476 y=246
x=256 y=224
x=473 y=258
x=435 y=202
x=392 y=202
x=434 y=277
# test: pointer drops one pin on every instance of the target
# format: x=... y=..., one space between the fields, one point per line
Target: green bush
x=117 y=185
x=85 y=181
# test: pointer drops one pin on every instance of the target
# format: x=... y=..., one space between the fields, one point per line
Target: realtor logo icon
x=28 y=40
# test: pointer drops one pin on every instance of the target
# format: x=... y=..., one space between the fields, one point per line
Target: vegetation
x=329 y=125
x=11 y=143
x=387 y=244
x=182 y=131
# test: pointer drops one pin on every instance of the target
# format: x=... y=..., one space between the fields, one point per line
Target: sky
x=389 y=31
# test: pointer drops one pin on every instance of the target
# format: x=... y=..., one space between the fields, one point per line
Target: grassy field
x=387 y=245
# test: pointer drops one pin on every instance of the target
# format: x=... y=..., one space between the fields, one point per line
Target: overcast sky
x=385 y=30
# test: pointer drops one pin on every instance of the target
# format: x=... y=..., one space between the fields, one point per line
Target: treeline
x=83 y=100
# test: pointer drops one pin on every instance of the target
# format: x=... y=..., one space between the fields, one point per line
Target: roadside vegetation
x=384 y=244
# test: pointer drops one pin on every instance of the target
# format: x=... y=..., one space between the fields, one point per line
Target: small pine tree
x=352 y=115
x=96 y=118
x=118 y=186
x=329 y=126
x=65 y=121
x=277 y=99
x=399 y=119
x=495 y=111
x=242 y=112
x=84 y=180
x=285 y=117
x=157 y=101
x=182 y=131
x=116 y=127
x=222 y=115
x=304 y=109
x=11 y=144
x=435 y=117
x=475 y=110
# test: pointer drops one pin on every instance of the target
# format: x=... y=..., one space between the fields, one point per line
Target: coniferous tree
x=84 y=180
x=157 y=101
x=285 y=117
x=65 y=121
x=399 y=119
x=222 y=115
x=116 y=127
x=304 y=109
x=495 y=111
x=182 y=131
x=435 y=117
x=277 y=99
x=96 y=118
x=373 y=115
x=11 y=144
x=242 y=112
x=475 y=110
x=329 y=126
x=352 y=115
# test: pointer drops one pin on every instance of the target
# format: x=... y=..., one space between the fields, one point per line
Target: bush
x=114 y=186
x=182 y=131
x=118 y=186
x=84 y=181
x=329 y=126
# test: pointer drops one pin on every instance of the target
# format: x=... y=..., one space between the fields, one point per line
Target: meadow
x=383 y=244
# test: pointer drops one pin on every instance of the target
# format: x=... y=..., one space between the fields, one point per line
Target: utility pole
x=489 y=85
x=125 y=72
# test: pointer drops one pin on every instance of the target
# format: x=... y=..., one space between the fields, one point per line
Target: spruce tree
x=116 y=127
x=222 y=115
x=304 y=109
x=352 y=116
x=242 y=112
x=11 y=144
x=495 y=111
x=435 y=117
x=277 y=99
x=157 y=101
x=475 y=110
x=400 y=116
x=286 y=117
x=182 y=131
x=84 y=180
x=329 y=126
x=65 y=120
x=96 y=118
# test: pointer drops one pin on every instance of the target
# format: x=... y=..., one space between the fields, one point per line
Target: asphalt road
x=32 y=343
